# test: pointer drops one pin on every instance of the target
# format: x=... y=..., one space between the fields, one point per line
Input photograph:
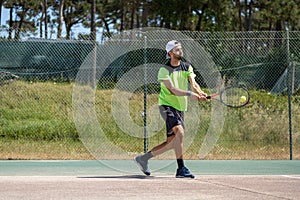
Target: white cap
x=171 y=45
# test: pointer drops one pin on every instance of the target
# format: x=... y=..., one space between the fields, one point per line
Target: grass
x=50 y=150
x=36 y=122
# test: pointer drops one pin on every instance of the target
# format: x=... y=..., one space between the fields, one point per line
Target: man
x=174 y=78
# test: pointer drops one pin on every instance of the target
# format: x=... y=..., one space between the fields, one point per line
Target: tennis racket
x=234 y=96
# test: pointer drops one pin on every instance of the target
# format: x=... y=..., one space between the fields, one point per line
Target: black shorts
x=172 y=118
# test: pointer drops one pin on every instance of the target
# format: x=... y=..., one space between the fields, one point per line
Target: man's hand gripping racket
x=234 y=96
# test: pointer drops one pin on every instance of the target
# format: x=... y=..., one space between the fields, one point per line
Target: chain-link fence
x=82 y=100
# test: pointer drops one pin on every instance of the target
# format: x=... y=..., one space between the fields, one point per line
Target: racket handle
x=208 y=97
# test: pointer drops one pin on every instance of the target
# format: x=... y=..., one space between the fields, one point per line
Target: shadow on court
x=120 y=177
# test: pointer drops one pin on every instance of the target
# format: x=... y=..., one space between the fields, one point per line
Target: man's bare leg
x=178 y=141
x=163 y=147
x=173 y=142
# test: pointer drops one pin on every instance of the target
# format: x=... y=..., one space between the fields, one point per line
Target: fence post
x=290 y=92
x=290 y=72
x=145 y=96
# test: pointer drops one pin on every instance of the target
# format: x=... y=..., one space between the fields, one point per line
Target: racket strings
x=235 y=97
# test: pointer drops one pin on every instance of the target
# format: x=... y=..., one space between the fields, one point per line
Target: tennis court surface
x=265 y=179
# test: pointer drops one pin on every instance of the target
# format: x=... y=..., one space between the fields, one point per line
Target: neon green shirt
x=179 y=77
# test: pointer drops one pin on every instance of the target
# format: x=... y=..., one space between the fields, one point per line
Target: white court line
x=292 y=176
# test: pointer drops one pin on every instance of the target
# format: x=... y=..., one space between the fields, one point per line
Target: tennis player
x=174 y=78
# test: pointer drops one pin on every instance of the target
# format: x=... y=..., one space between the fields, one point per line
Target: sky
x=5 y=14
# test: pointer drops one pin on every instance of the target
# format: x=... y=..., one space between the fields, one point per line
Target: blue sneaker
x=143 y=165
x=184 y=173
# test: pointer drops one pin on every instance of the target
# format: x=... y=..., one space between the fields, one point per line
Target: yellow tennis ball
x=243 y=99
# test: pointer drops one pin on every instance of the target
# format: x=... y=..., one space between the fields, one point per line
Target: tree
x=248 y=14
x=93 y=22
x=25 y=12
x=44 y=17
x=120 y=15
x=74 y=13
x=239 y=14
x=60 y=18
x=200 y=10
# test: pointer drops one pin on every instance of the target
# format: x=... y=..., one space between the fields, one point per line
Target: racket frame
x=212 y=96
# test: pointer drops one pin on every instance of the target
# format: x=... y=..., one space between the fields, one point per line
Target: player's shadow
x=120 y=177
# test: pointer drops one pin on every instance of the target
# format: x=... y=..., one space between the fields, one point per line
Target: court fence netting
x=79 y=99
